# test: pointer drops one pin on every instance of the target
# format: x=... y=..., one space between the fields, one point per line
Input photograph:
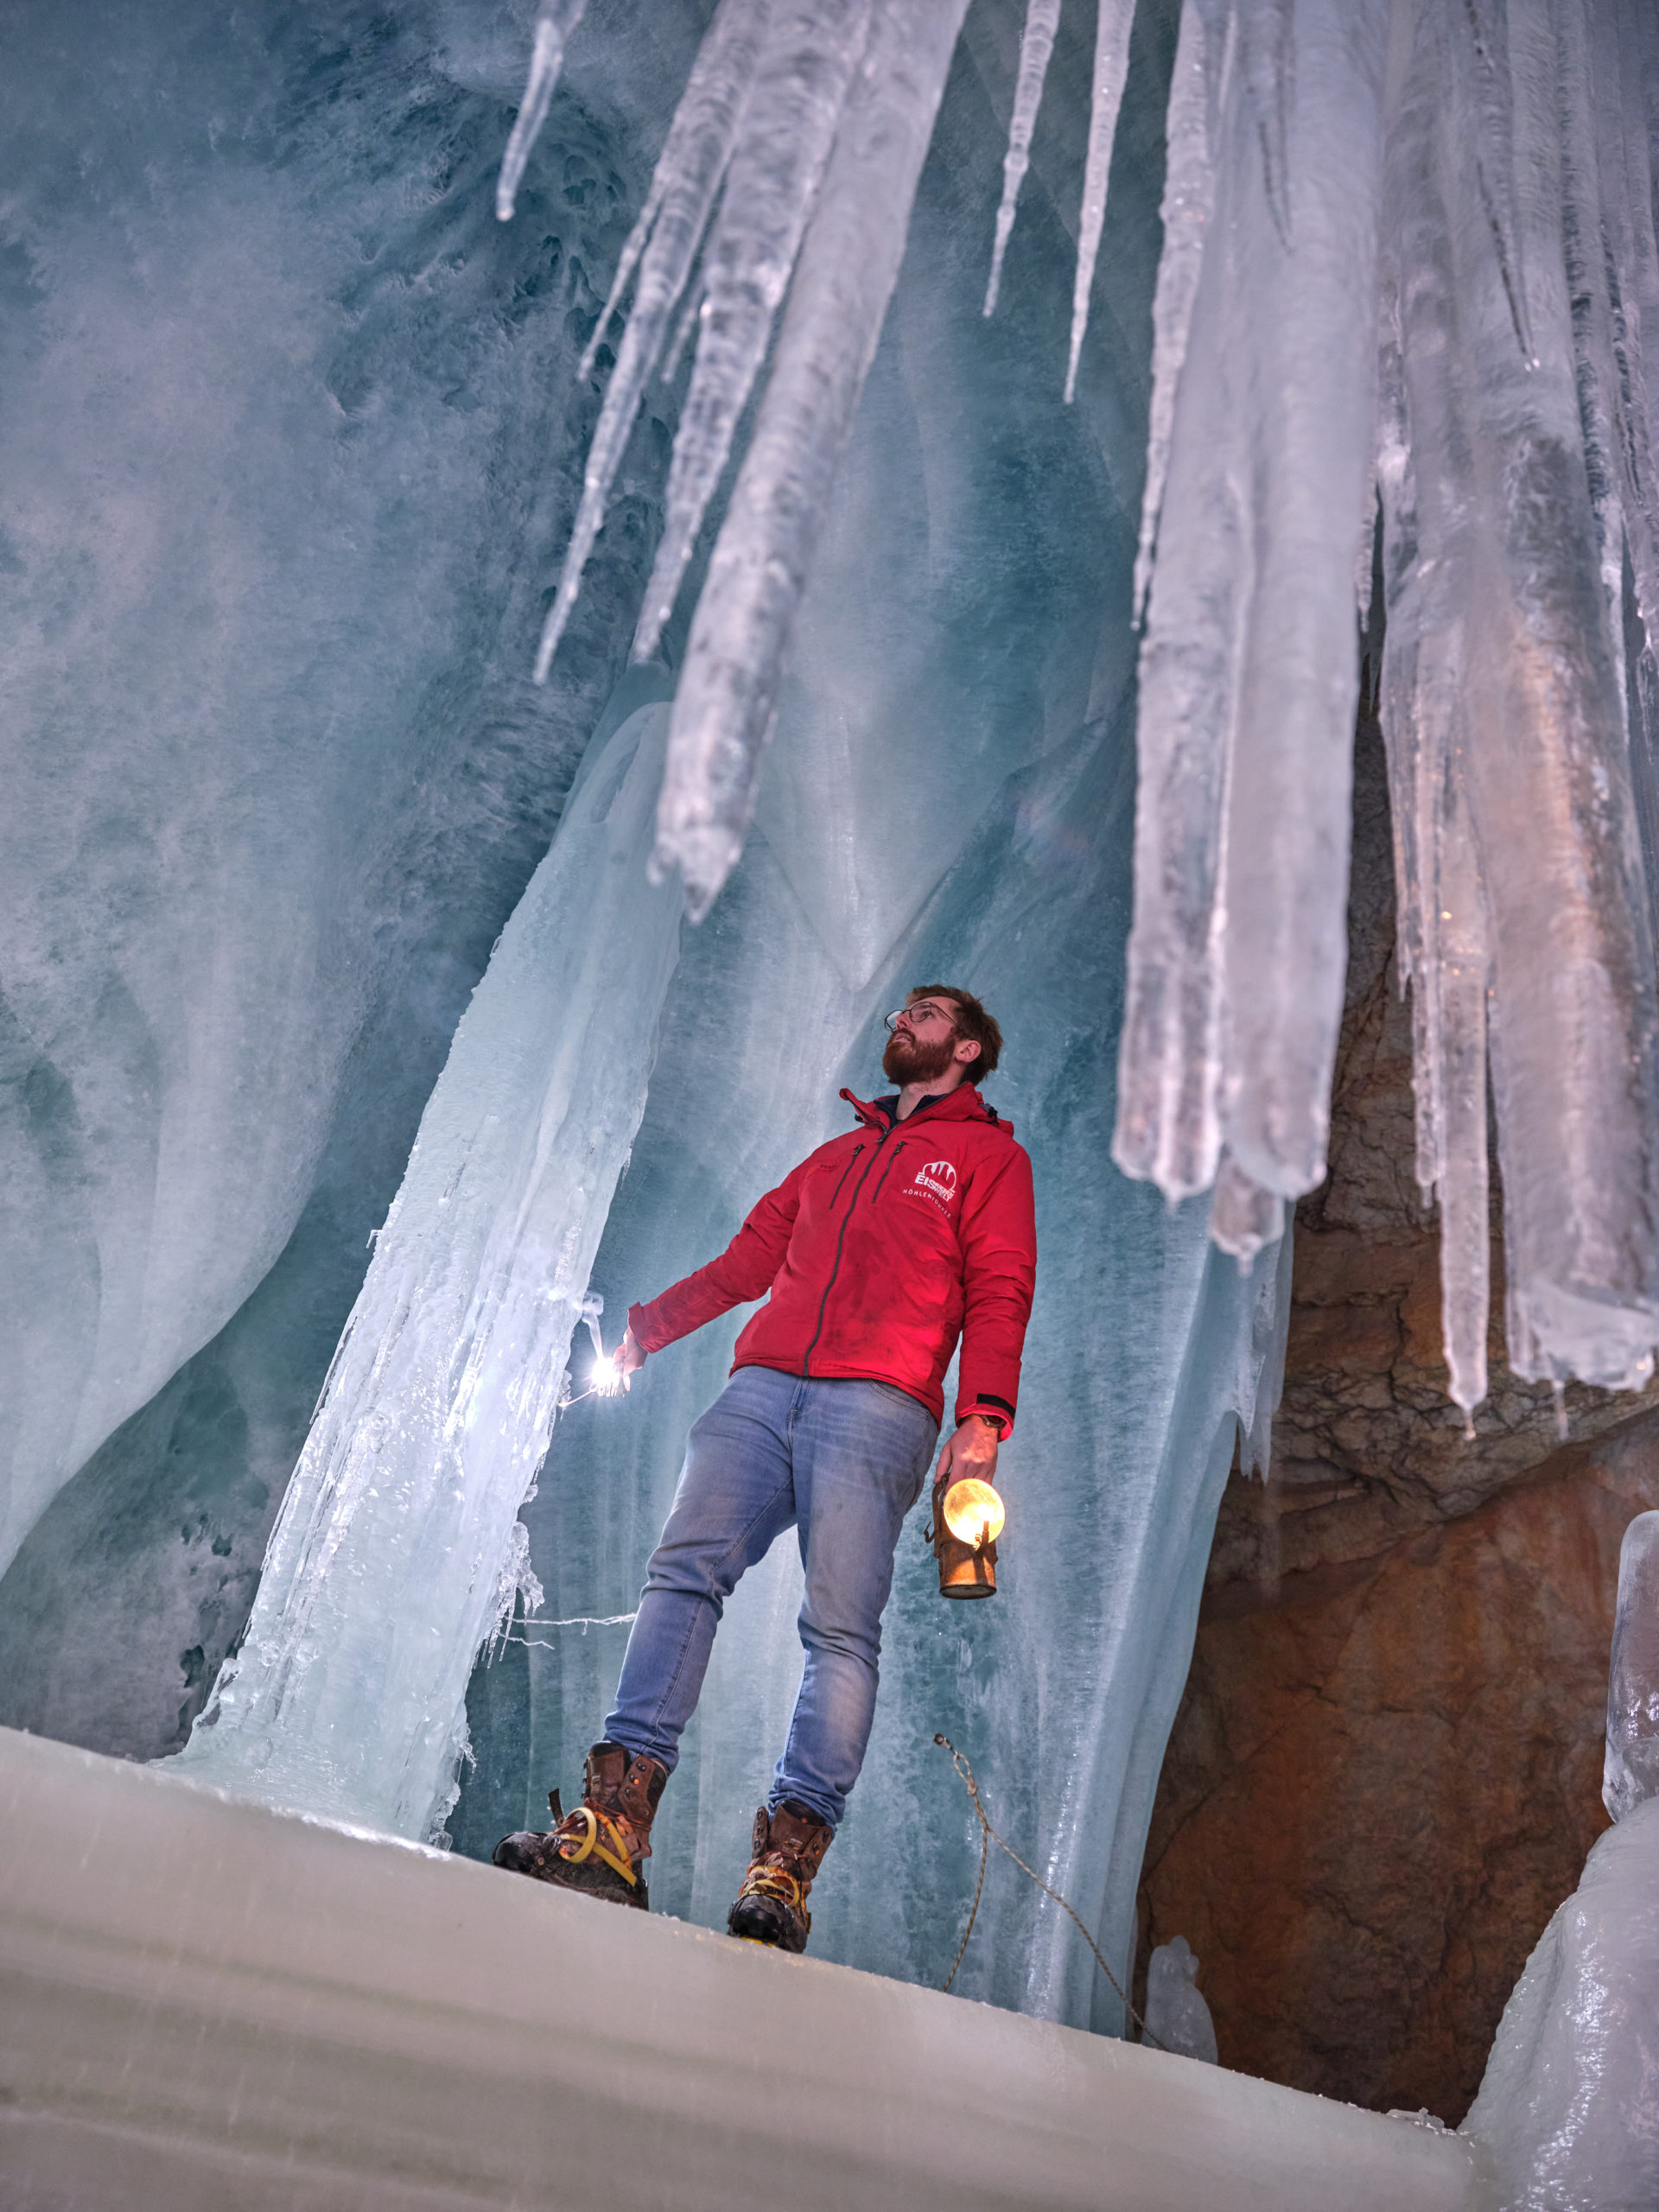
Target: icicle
x=1300 y=320
x=555 y=21
x=694 y=157
x=1249 y=667
x=1613 y=274
x=1242 y=1215
x=726 y=699
x=1575 y=1011
x=683 y=329
x=1463 y=1188
x=1037 y=44
x=788 y=124
x=1504 y=680
x=1169 y=1059
x=1111 y=67
x=1441 y=915
x=664 y=242
x=1202 y=54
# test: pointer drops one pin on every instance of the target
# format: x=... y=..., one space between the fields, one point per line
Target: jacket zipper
x=845 y=1173
x=876 y=1193
x=841 y=1238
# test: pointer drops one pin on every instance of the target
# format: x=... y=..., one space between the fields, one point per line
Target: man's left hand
x=970 y=1452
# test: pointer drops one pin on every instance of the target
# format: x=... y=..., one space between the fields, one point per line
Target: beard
x=908 y=1060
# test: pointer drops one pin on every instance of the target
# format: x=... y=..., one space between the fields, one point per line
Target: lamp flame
x=973 y=1512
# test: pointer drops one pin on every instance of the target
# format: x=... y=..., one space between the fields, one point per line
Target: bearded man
x=912 y=1229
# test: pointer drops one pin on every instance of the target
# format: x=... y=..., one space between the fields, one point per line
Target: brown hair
x=972 y=1020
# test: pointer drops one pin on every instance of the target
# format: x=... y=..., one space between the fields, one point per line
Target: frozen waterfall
x=398 y=1550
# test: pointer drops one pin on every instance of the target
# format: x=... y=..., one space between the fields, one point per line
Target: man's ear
x=968 y=1050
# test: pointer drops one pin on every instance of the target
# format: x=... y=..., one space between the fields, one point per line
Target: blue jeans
x=844 y=1461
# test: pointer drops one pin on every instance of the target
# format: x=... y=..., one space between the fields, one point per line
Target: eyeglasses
x=924 y=1010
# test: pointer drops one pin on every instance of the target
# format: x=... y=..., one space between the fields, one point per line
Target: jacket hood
x=961 y=1104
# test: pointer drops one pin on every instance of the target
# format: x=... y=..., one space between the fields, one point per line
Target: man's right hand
x=628 y=1357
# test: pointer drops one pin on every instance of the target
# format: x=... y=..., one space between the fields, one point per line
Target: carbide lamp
x=967 y=1523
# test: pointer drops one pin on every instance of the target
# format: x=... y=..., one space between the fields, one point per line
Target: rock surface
x=1385 y=1773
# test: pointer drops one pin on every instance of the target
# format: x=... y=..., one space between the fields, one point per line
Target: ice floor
x=208 y=2007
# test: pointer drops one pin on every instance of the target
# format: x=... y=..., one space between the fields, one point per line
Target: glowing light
x=605 y=1378
x=973 y=1512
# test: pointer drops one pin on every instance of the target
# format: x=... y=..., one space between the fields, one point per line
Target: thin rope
x=984 y=1854
x=965 y=1773
x=593 y=1390
x=578 y=1620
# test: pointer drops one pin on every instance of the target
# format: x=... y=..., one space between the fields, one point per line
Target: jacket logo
x=939 y=1177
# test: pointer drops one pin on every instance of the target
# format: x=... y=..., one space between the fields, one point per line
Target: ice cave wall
x=286 y=412
x=286 y=416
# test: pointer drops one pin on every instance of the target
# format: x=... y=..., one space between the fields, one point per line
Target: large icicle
x=726 y=701
x=1574 y=1011
x=1167 y=1128
x=812 y=49
x=1111 y=68
x=1036 y=46
x=384 y=1572
x=663 y=244
x=1504 y=707
x=1202 y=53
x=1298 y=332
x=1443 y=925
x=555 y=21
x=1250 y=668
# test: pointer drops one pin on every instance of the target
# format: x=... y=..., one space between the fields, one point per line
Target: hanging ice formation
x=1518 y=679
x=399 y=1551
x=1464 y=192
x=809 y=119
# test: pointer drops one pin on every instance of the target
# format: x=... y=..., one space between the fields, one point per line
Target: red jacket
x=880 y=1249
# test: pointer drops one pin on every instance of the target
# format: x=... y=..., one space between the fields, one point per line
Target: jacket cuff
x=993 y=1408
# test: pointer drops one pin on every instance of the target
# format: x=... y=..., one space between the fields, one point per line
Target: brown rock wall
x=1384 y=1779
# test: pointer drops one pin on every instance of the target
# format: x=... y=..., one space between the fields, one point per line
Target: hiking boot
x=599 y=1848
x=789 y=1848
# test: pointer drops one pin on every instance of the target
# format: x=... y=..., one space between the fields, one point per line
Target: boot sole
x=750 y=1924
x=552 y=1869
